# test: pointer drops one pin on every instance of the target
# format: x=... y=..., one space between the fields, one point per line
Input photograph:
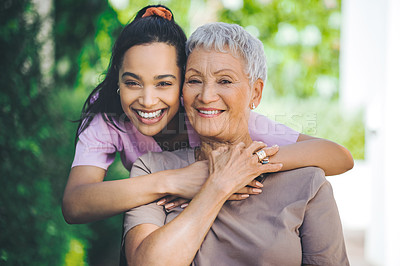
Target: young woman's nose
x=148 y=97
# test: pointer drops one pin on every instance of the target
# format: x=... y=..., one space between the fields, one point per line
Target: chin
x=209 y=133
x=149 y=131
x=209 y=128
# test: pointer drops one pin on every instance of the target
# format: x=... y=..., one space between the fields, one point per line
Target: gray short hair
x=219 y=35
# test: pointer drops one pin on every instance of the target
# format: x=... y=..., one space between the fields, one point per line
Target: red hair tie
x=158 y=11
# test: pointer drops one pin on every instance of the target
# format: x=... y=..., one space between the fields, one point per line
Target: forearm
x=93 y=201
x=329 y=156
x=184 y=234
x=230 y=170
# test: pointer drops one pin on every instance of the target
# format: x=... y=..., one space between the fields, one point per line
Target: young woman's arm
x=87 y=198
x=148 y=244
x=333 y=158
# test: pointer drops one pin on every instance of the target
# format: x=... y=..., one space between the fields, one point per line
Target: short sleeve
x=149 y=213
x=321 y=232
x=146 y=214
x=263 y=129
x=97 y=145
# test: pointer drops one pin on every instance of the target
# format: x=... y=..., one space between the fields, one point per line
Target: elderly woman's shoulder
x=159 y=161
x=315 y=173
x=305 y=180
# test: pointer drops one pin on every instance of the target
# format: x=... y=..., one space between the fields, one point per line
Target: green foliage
x=95 y=55
x=36 y=140
x=76 y=254
x=75 y=25
x=33 y=231
x=126 y=13
x=301 y=40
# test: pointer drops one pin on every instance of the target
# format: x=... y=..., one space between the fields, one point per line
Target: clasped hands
x=193 y=176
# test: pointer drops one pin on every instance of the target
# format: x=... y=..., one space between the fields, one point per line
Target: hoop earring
x=253 y=106
x=118 y=91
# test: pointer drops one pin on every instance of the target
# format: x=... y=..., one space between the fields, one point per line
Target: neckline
x=191 y=156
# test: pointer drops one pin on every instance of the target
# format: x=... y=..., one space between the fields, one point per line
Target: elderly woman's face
x=217 y=94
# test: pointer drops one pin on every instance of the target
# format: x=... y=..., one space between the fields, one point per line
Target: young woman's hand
x=192 y=179
x=187 y=183
x=170 y=202
x=253 y=188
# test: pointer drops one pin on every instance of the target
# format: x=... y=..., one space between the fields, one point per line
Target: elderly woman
x=293 y=222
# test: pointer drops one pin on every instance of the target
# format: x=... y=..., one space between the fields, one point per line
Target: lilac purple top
x=98 y=144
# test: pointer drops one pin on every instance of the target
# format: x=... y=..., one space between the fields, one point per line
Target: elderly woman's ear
x=257 y=90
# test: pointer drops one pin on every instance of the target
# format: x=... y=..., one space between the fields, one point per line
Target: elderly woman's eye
x=193 y=81
x=225 y=81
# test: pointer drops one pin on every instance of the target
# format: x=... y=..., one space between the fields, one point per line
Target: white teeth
x=213 y=112
x=149 y=115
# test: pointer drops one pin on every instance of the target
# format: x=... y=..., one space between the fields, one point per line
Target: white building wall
x=370 y=79
x=391 y=130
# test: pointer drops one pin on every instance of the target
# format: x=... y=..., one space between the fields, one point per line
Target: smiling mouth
x=209 y=112
x=150 y=117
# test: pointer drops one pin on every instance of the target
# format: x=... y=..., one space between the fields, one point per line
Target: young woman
x=137 y=109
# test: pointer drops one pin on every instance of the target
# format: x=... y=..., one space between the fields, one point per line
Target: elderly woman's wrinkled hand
x=255 y=187
x=232 y=168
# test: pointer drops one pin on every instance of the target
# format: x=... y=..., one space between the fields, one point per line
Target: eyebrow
x=222 y=70
x=164 y=76
x=133 y=75
x=194 y=70
x=216 y=72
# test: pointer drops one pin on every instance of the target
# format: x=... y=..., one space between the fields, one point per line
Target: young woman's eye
x=164 y=84
x=132 y=84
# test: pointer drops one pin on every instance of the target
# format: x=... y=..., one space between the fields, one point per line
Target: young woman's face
x=149 y=81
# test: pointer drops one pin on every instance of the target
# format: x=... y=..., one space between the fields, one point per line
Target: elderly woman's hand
x=255 y=187
x=252 y=188
x=233 y=168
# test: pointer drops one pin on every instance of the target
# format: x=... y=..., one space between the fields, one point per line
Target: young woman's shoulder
x=97 y=144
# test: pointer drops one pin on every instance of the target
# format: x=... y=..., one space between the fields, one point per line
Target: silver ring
x=266 y=160
x=261 y=155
